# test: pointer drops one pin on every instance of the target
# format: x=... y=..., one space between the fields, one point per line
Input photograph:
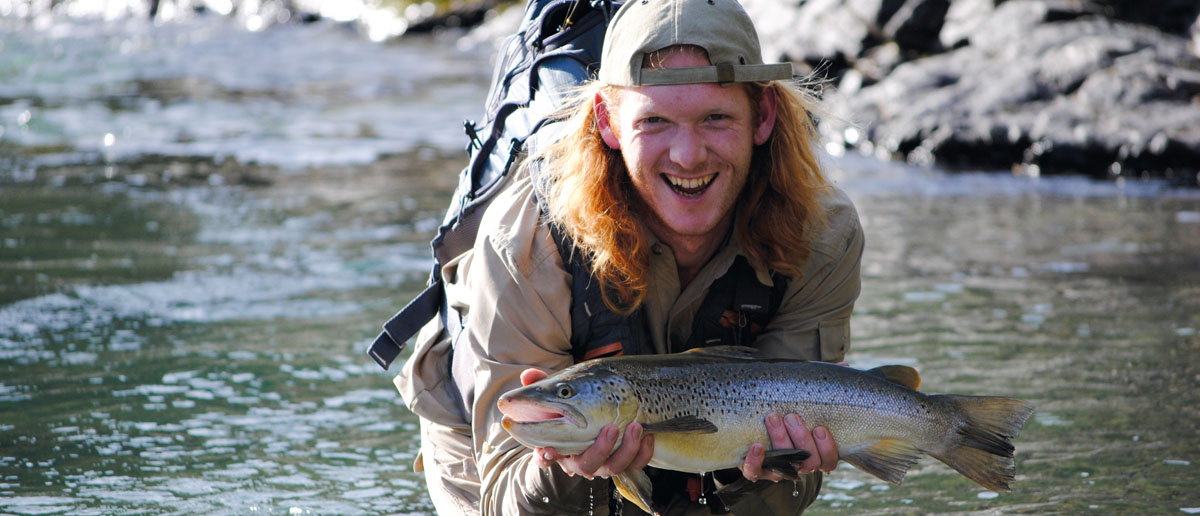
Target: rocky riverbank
x=1107 y=89
x=1104 y=89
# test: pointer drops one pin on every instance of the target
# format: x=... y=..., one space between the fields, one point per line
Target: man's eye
x=653 y=120
x=718 y=117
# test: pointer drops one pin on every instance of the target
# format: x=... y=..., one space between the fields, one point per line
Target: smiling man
x=686 y=208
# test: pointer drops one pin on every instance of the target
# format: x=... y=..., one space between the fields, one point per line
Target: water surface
x=184 y=305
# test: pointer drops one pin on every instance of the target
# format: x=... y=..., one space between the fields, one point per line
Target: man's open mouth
x=689 y=186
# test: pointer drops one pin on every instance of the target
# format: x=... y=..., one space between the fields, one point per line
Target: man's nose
x=688 y=149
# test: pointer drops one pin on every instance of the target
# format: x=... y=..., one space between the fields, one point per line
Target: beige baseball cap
x=720 y=27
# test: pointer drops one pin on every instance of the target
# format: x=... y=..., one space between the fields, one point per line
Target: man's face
x=687 y=149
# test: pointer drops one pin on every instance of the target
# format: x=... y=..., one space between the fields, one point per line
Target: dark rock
x=1099 y=87
x=816 y=32
x=461 y=16
x=915 y=26
x=1090 y=96
x=833 y=35
x=1172 y=16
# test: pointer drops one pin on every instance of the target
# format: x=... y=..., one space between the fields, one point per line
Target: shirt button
x=657 y=249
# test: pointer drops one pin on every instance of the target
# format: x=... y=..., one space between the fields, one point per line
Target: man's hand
x=600 y=459
x=790 y=433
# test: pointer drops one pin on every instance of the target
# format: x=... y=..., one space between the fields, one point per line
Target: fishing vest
x=736 y=309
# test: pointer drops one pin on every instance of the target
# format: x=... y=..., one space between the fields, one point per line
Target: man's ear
x=767 y=106
x=604 y=122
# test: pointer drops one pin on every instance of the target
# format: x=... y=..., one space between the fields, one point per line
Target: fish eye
x=564 y=391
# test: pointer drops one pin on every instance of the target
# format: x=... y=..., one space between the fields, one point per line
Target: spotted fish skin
x=706 y=407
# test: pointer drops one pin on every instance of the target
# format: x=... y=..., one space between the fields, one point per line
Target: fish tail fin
x=982 y=449
x=635 y=486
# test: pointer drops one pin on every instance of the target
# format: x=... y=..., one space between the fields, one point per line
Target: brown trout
x=706 y=407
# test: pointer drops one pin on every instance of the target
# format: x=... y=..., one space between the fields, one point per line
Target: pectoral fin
x=684 y=424
x=784 y=462
x=635 y=486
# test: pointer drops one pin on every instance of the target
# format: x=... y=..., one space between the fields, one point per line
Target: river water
x=202 y=226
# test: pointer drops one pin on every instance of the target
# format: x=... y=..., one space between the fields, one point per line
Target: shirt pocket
x=834 y=339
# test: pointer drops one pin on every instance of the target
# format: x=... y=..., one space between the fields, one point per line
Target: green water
x=1085 y=302
x=197 y=349
x=195 y=346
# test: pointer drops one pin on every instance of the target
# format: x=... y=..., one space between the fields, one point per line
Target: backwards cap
x=721 y=27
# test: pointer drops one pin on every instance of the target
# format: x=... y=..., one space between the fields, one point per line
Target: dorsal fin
x=726 y=351
x=898 y=374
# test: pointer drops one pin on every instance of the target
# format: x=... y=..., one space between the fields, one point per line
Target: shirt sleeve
x=519 y=318
x=813 y=321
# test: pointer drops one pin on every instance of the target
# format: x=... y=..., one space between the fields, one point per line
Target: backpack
x=556 y=48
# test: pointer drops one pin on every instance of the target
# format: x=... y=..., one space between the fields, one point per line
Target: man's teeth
x=691 y=183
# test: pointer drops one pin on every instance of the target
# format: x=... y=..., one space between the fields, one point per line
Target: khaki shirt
x=514 y=297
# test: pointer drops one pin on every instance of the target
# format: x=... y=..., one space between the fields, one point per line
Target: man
x=689 y=180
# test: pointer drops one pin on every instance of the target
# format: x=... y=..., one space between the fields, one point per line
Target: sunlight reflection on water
x=291 y=96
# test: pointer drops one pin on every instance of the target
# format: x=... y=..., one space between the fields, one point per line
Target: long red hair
x=588 y=194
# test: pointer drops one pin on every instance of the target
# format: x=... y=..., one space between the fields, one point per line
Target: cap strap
x=723 y=73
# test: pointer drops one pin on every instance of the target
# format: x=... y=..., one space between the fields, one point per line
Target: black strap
x=596 y=330
x=406 y=323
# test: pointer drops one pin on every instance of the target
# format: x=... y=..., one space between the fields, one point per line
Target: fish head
x=567 y=410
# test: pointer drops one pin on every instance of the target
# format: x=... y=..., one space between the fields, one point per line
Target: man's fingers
x=827 y=448
x=601 y=459
x=624 y=455
x=588 y=462
x=645 y=453
x=531 y=375
x=752 y=466
x=802 y=439
x=544 y=457
x=790 y=433
x=778 y=433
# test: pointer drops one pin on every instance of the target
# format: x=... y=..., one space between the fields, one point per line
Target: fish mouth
x=689 y=187
x=530 y=412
